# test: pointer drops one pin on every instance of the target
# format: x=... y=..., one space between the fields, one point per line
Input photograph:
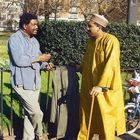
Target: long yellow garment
x=101 y=67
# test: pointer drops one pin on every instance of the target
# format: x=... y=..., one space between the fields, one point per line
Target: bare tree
x=87 y=7
x=113 y=10
x=43 y=7
x=52 y=6
x=34 y=6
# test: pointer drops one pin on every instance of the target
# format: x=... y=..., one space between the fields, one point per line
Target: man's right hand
x=44 y=57
x=95 y=91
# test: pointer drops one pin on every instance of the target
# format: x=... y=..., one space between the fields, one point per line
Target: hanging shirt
x=65 y=102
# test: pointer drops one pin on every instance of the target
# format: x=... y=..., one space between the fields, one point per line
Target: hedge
x=129 y=37
x=66 y=41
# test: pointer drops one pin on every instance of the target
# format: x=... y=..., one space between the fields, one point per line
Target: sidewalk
x=133 y=136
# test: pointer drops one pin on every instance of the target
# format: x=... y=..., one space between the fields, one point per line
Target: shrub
x=66 y=41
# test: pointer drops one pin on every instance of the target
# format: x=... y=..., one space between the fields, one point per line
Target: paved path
x=133 y=136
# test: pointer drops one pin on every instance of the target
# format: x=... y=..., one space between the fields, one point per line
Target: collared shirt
x=22 y=52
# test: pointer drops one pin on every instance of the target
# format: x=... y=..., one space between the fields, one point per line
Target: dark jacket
x=65 y=101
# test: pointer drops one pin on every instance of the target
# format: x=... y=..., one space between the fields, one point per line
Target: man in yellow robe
x=101 y=78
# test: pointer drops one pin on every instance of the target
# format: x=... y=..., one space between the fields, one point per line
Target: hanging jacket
x=65 y=101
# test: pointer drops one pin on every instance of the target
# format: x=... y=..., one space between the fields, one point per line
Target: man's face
x=31 y=28
x=93 y=29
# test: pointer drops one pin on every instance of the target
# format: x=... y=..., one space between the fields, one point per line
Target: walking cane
x=90 y=117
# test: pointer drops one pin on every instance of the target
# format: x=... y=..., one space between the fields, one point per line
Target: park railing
x=2 y=95
x=9 y=101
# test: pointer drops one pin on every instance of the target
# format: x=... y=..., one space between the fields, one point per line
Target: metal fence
x=8 y=100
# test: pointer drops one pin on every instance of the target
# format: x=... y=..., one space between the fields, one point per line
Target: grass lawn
x=46 y=93
x=4 y=59
x=3 y=52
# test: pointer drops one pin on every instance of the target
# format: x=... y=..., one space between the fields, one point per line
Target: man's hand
x=44 y=57
x=95 y=91
x=50 y=66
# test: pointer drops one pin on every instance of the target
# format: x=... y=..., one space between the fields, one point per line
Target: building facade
x=77 y=10
x=9 y=14
x=10 y=10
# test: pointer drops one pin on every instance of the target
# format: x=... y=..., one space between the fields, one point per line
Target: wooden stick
x=90 y=117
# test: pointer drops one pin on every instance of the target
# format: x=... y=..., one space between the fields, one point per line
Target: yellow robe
x=101 y=67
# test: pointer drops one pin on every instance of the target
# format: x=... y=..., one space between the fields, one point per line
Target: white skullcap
x=100 y=19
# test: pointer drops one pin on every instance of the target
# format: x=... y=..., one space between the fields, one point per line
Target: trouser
x=33 y=114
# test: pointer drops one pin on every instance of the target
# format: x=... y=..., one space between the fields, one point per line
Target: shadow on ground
x=11 y=105
x=14 y=127
x=133 y=136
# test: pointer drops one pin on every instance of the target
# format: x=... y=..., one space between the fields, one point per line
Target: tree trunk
x=46 y=9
